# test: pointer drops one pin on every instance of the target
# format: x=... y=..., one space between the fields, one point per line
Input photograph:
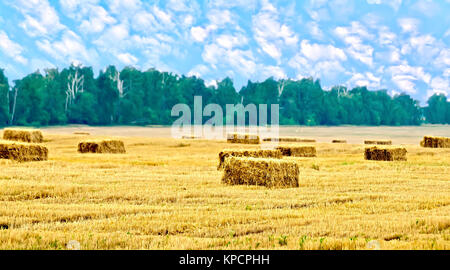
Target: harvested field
x=243 y=138
x=272 y=173
x=385 y=154
x=23 y=151
x=23 y=135
x=298 y=151
x=289 y=139
x=102 y=147
x=247 y=153
x=158 y=196
x=383 y=142
x=435 y=142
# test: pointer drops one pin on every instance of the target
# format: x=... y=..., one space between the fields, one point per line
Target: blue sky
x=402 y=46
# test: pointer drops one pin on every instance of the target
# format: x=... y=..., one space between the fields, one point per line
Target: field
x=166 y=193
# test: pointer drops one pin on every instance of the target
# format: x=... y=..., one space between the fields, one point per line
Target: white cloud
x=127 y=58
x=98 y=19
x=199 y=33
x=270 y=34
x=69 y=49
x=11 y=49
x=317 y=52
x=443 y=59
x=198 y=71
x=367 y=79
x=409 y=25
x=405 y=76
x=230 y=41
x=241 y=61
x=353 y=36
x=41 y=19
x=395 y=4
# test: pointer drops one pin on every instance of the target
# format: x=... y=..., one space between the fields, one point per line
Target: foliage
x=139 y=97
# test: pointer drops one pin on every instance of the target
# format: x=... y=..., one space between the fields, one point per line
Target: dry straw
x=81 y=133
x=247 y=153
x=272 y=173
x=298 y=151
x=289 y=139
x=103 y=147
x=386 y=154
x=382 y=142
x=243 y=138
x=435 y=142
x=23 y=151
x=190 y=137
x=339 y=141
x=23 y=135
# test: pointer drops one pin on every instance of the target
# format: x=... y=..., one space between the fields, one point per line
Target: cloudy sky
x=402 y=46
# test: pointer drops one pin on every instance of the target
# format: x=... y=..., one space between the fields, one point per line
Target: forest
x=133 y=97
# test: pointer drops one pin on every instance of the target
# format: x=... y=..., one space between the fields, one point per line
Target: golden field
x=167 y=193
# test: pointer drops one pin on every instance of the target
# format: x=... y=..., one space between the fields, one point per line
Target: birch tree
x=75 y=85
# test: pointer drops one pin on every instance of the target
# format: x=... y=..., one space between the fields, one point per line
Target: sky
x=399 y=45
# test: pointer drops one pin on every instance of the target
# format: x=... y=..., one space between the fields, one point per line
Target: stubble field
x=167 y=193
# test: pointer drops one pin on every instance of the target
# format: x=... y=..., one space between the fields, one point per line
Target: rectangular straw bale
x=247 y=153
x=243 y=138
x=81 y=133
x=23 y=135
x=339 y=141
x=298 y=151
x=381 y=142
x=103 y=147
x=386 y=154
x=289 y=139
x=435 y=142
x=190 y=137
x=272 y=173
x=23 y=151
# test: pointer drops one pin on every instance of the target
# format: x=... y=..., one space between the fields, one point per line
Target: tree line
x=134 y=97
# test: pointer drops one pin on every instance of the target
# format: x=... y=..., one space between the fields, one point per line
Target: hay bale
x=289 y=139
x=81 y=133
x=386 y=154
x=190 y=137
x=23 y=135
x=435 y=142
x=247 y=153
x=23 y=151
x=272 y=173
x=382 y=142
x=102 y=147
x=339 y=141
x=298 y=151
x=243 y=138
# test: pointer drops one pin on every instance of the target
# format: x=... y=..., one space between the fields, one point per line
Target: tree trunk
x=14 y=105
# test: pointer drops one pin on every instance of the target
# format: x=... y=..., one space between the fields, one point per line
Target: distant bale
x=23 y=135
x=298 y=151
x=339 y=141
x=102 y=147
x=243 y=138
x=435 y=142
x=81 y=133
x=289 y=139
x=190 y=137
x=386 y=154
x=382 y=142
x=272 y=173
x=23 y=151
x=247 y=153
